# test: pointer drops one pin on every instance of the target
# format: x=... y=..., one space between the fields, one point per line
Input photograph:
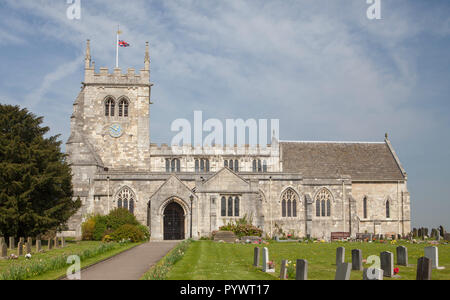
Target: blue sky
x=321 y=67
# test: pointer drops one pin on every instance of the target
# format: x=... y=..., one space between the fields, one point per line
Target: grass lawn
x=72 y=247
x=208 y=260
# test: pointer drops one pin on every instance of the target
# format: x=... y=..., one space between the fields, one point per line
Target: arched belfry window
x=110 y=106
x=388 y=210
x=323 y=203
x=289 y=200
x=126 y=199
x=123 y=108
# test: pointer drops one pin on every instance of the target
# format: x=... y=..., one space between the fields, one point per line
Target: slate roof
x=362 y=161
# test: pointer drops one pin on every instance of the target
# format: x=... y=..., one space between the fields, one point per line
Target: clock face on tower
x=115 y=130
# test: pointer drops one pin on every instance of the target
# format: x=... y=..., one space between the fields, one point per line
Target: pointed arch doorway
x=173 y=222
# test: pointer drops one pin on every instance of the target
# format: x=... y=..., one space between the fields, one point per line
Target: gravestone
x=2 y=240
x=423 y=269
x=12 y=243
x=256 y=257
x=265 y=262
x=426 y=231
x=402 y=256
x=28 y=247
x=30 y=240
x=372 y=274
x=447 y=236
x=4 y=250
x=20 y=249
x=343 y=271
x=441 y=230
x=340 y=256
x=283 y=270
x=50 y=244
x=22 y=240
x=415 y=233
x=301 y=272
x=438 y=236
x=226 y=236
x=277 y=238
x=357 y=260
x=433 y=254
x=433 y=233
x=387 y=263
x=38 y=246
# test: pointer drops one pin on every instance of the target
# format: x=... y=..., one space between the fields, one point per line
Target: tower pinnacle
x=147 y=57
x=87 y=60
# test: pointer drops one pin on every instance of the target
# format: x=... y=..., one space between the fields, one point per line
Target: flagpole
x=117 y=47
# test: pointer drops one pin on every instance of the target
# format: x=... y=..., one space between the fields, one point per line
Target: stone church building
x=291 y=187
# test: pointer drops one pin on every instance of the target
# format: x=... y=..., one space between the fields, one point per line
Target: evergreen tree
x=35 y=179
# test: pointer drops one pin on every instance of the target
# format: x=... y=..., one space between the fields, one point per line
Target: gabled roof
x=227 y=180
x=173 y=187
x=361 y=161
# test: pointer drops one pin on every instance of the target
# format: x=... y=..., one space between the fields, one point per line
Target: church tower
x=111 y=118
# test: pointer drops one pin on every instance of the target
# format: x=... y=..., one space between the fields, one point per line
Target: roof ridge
x=330 y=142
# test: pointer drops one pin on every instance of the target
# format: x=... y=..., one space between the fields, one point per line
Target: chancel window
x=289 y=200
x=229 y=206
x=125 y=199
x=123 y=108
x=323 y=203
x=110 y=107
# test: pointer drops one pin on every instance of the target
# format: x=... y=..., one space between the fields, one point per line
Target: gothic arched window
x=125 y=199
x=289 y=203
x=236 y=165
x=225 y=163
x=365 y=207
x=197 y=166
x=230 y=207
x=236 y=207
x=223 y=207
x=230 y=164
x=254 y=166
x=323 y=203
x=388 y=210
x=264 y=166
x=123 y=108
x=110 y=107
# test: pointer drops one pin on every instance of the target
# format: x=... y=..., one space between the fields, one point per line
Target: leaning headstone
x=256 y=257
x=372 y=274
x=387 y=263
x=433 y=254
x=423 y=269
x=283 y=269
x=265 y=262
x=301 y=272
x=4 y=250
x=12 y=243
x=402 y=256
x=340 y=256
x=343 y=271
x=28 y=247
x=357 y=260
x=20 y=249
x=38 y=246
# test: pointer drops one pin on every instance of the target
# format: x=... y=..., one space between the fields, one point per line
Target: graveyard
x=209 y=260
x=48 y=261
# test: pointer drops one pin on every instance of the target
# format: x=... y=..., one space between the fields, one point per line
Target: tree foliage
x=35 y=179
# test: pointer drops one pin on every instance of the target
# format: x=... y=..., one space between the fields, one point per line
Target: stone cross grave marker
x=402 y=256
x=340 y=256
x=372 y=274
x=343 y=271
x=433 y=254
x=256 y=256
x=357 y=260
x=301 y=272
x=423 y=269
x=283 y=269
x=387 y=263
